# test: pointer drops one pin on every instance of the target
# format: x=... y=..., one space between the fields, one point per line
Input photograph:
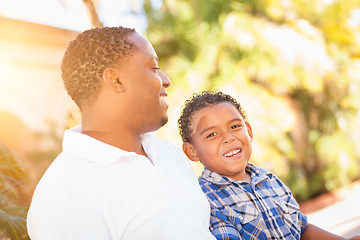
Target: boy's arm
x=314 y=232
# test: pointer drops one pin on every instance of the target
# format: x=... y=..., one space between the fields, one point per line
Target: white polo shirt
x=96 y=191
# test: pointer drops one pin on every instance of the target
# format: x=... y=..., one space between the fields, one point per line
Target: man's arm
x=313 y=232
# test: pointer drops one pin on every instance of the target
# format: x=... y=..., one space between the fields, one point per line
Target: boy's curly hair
x=88 y=56
x=199 y=101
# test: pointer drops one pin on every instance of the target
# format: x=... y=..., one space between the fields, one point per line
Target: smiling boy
x=247 y=202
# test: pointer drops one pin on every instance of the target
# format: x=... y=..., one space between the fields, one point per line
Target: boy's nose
x=165 y=80
x=228 y=138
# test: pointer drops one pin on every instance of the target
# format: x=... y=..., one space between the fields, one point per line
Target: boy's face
x=221 y=140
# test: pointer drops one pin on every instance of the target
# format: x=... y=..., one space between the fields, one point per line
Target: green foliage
x=13 y=225
x=12 y=178
x=293 y=61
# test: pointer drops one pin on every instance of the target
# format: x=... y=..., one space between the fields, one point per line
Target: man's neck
x=125 y=141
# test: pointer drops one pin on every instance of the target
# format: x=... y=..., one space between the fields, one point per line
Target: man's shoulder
x=151 y=141
x=58 y=174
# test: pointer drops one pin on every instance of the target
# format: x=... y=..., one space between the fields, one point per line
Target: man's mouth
x=233 y=153
x=163 y=95
x=163 y=98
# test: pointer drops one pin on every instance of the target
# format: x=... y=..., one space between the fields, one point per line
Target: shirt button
x=270 y=213
x=241 y=218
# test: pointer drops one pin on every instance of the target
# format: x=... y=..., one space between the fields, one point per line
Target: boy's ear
x=249 y=129
x=112 y=79
x=190 y=151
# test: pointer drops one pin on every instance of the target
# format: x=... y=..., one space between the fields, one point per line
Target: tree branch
x=95 y=21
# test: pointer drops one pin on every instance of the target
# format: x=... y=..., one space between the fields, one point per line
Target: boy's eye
x=235 y=126
x=156 y=69
x=211 y=135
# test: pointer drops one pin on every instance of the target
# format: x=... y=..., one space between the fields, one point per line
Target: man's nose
x=165 y=80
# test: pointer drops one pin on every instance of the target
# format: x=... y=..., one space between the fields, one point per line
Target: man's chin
x=164 y=120
x=161 y=123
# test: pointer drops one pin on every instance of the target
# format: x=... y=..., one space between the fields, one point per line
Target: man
x=113 y=180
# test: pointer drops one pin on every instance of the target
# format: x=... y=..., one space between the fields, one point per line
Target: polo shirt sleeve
x=56 y=216
x=185 y=162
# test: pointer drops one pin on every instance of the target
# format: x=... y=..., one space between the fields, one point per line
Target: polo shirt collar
x=92 y=149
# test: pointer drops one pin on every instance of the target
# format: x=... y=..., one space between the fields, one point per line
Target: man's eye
x=235 y=126
x=211 y=135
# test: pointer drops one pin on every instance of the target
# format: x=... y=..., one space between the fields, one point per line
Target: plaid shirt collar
x=257 y=175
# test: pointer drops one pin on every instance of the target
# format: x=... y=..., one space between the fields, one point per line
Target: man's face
x=146 y=86
x=222 y=140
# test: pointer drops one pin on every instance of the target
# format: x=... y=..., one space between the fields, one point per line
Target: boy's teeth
x=232 y=153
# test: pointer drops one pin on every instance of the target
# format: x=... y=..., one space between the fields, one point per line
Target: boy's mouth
x=233 y=153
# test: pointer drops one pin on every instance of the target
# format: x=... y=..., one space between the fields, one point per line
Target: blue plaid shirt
x=262 y=209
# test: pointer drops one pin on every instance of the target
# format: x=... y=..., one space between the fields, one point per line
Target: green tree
x=94 y=18
x=12 y=179
x=293 y=54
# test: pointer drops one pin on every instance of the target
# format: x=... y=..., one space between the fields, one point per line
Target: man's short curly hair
x=199 y=101
x=88 y=56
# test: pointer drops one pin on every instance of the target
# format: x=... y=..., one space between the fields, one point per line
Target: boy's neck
x=245 y=176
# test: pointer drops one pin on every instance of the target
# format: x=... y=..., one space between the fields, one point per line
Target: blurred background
x=294 y=65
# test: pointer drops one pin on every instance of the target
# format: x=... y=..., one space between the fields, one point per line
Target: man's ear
x=112 y=79
x=190 y=151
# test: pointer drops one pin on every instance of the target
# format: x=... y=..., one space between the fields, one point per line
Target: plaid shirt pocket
x=287 y=207
x=290 y=214
x=241 y=214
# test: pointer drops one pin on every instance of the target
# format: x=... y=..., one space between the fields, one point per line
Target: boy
x=247 y=202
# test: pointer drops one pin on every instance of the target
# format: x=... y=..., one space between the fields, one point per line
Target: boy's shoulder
x=208 y=176
x=216 y=186
x=256 y=170
x=212 y=181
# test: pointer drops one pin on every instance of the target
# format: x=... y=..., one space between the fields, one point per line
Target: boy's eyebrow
x=236 y=119
x=205 y=130
x=232 y=120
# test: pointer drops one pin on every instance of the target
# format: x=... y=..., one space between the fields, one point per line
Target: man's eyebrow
x=153 y=57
